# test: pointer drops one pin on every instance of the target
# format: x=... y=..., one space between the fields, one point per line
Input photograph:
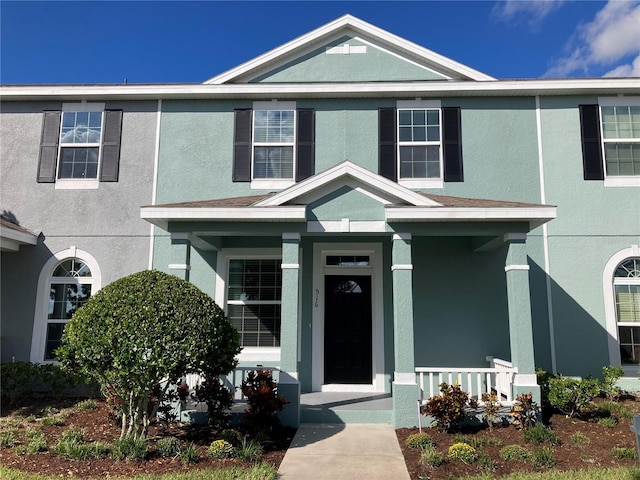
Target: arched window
x=626 y=286
x=66 y=282
x=70 y=288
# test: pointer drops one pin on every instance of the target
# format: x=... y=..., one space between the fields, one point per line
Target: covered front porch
x=380 y=292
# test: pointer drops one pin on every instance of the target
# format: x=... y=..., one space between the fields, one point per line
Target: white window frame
x=617 y=180
x=414 y=183
x=248 y=354
x=41 y=320
x=273 y=183
x=79 y=183
x=611 y=318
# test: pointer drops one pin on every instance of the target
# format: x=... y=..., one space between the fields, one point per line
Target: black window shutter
x=110 y=164
x=591 y=147
x=305 y=143
x=242 y=146
x=387 y=164
x=452 y=144
x=49 y=147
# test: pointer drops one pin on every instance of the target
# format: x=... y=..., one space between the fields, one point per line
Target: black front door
x=347 y=331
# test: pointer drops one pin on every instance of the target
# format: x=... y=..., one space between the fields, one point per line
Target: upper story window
x=626 y=284
x=274 y=145
x=419 y=151
x=610 y=133
x=621 y=140
x=80 y=146
x=420 y=144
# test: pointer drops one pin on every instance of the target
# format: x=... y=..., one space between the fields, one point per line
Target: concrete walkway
x=344 y=452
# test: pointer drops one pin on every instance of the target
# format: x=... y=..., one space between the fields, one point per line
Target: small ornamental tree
x=137 y=336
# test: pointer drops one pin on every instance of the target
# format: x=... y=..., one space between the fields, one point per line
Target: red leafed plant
x=263 y=400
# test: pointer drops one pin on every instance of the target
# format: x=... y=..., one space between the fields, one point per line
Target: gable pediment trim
x=350 y=174
x=347 y=24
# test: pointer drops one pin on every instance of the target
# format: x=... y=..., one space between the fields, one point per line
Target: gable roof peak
x=345 y=24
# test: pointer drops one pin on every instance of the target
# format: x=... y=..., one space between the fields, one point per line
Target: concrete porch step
x=345 y=407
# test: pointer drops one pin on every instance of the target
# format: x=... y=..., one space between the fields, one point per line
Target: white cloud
x=629 y=70
x=612 y=36
x=532 y=11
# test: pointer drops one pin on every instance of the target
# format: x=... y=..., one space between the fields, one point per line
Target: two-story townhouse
x=374 y=217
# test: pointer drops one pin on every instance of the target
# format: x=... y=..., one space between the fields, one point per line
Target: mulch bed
x=99 y=425
x=568 y=456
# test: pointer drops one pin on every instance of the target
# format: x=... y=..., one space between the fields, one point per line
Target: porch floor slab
x=338 y=451
x=345 y=407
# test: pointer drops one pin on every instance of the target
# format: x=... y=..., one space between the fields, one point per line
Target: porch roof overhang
x=442 y=209
x=13 y=236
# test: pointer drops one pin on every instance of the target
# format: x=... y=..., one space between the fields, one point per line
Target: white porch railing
x=233 y=381
x=498 y=377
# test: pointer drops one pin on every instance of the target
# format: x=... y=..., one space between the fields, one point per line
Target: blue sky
x=168 y=41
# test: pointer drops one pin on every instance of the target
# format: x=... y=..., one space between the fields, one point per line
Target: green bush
x=131 y=447
x=580 y=439
x=539 y=434
x=609 y=408
x=624 y=452
x=220 y=449
x=7 y=438
x=189 y=454
x=514 y=452
x=54 y=421
x=139 y=334
x=263 y=401
x=463 y=452
x=168 y=447
x=609 y=422
x=17 y=380
x=543 y=457
x=610 y=377
x=447 y=408
x=418 y=440
x=36 y=440
x=571 y=396
x=86 y=405
x=431 y=456
x=250 y=450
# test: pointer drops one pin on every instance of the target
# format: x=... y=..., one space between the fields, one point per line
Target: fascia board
x=619 y=86
x=22 y=238
x=453 y=214
x=240 y=214
x=347 y=169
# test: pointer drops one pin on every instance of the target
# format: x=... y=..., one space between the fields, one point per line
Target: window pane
x=72 y=268
x=628 y=303
x=420 y=162
x=81 y=127
x=258 y=325
x=54 y=335
x=65 y=299
x=622 y=159
x=78 y=162
x=629 y=345
x=273 y=126
x=628 y=269
x=273 y=162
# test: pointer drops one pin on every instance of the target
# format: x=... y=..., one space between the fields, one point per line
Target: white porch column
x=180 y=255
x=405 y=388
x=289 y=386
x=520 y=324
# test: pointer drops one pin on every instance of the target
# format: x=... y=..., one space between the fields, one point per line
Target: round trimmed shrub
x=138 y=335
x=463 y=452
x=419 y=440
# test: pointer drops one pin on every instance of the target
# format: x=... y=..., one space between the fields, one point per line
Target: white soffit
x=345 y=25
x=347 y=173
